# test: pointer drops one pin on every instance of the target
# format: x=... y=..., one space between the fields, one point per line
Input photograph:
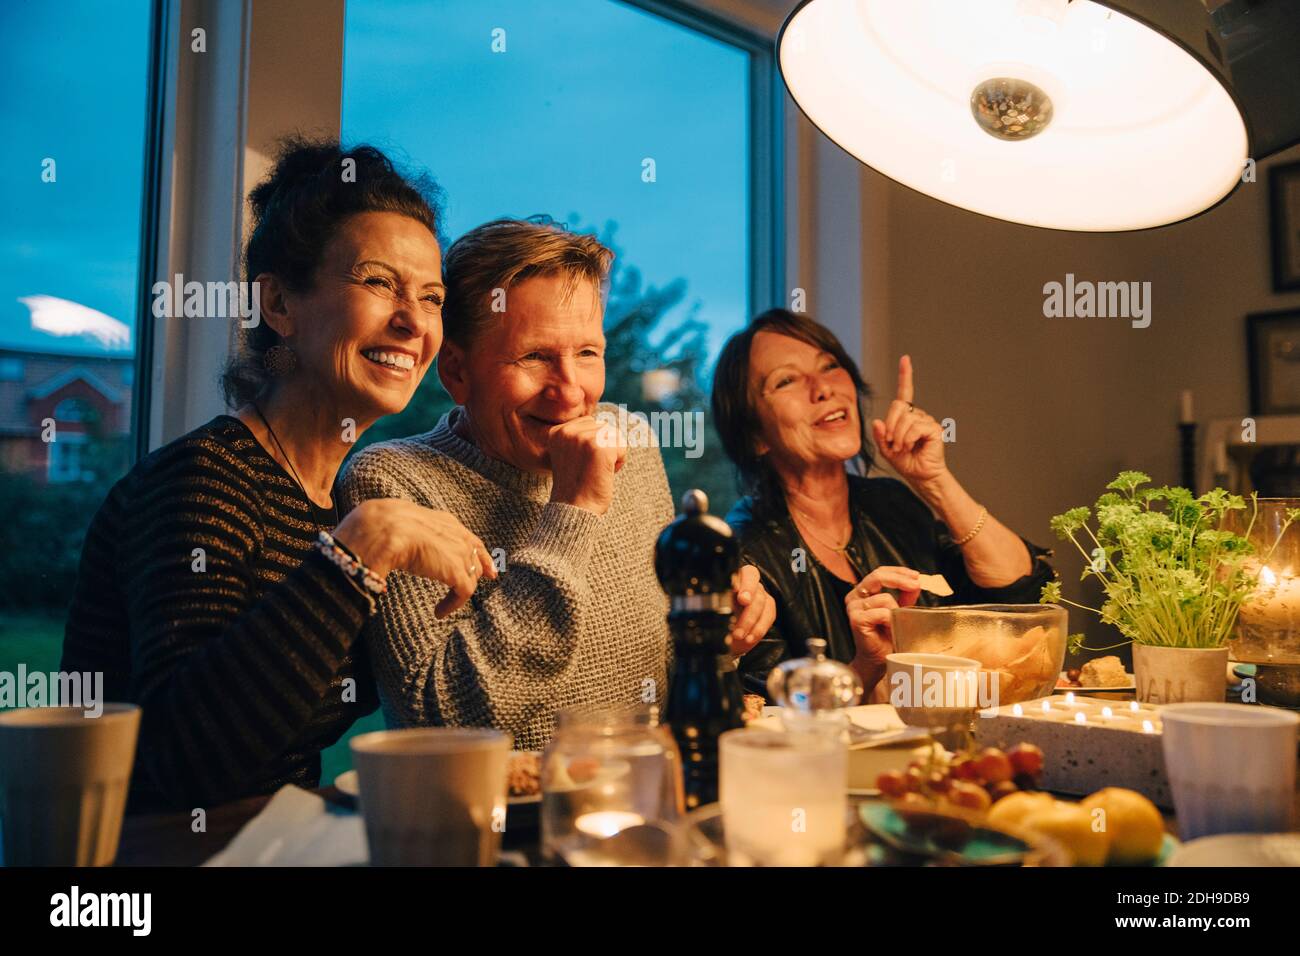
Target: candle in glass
x=1268 y=627
x=606 y=823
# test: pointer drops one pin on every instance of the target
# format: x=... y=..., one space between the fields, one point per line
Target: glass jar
x=611 y=787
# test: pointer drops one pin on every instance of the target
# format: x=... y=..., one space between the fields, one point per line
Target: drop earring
x=279 y=360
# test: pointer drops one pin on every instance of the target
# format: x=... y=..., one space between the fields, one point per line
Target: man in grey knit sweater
x=529 y=464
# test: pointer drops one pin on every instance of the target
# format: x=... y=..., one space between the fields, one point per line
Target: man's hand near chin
x=585 y=455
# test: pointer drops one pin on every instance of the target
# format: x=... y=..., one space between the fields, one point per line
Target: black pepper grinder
x=695 y=559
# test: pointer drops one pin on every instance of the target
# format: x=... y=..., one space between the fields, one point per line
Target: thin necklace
x=842 y=551
x=838 y=550
x=289 y=461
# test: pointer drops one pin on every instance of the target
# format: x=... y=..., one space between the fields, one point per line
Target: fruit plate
x=1168 y=847
x=963 y=838
x=1128 y=687
x=956 y=838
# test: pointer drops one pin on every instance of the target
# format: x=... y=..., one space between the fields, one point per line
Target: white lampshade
x=1140 y=133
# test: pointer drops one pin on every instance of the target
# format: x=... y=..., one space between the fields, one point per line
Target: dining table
x=169 y=839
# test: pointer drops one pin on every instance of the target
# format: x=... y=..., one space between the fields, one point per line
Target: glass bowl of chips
x=1020 y=647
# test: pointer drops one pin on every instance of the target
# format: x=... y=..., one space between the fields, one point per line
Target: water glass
x=784 y=797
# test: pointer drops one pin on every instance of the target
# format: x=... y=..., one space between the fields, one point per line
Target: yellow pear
x=1012 y=809
x=1072 y=826
x=1135 y=826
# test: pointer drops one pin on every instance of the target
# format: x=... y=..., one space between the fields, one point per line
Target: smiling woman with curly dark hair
x=218 y=588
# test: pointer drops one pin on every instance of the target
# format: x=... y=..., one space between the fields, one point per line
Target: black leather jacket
x=891 y=526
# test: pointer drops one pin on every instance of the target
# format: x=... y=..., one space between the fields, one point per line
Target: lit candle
x=1133 y=706
x=606 y=823
x=1047 y=706
x=1275 y=603
x=1080 y=717
x=1148 y=727
x=1069 y=698
x=1017 y=710
x=1107 y=713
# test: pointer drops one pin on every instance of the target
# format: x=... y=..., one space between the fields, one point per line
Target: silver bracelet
x=363 y=579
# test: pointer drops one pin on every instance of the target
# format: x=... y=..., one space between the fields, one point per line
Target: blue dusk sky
x=73 y=88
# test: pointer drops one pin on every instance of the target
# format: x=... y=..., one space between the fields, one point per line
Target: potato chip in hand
x=936 y=584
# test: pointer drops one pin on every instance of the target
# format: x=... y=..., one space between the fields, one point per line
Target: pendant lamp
x=1065 y=114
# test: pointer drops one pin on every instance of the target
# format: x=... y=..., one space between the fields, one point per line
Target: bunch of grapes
x=972 y=781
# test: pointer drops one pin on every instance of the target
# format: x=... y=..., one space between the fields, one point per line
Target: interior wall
x=295 y=77
x=1048 y=410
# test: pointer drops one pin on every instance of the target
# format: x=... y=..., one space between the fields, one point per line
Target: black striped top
x=201 y=598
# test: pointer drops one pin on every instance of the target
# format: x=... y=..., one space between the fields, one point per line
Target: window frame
x=766 y=146
x=151 y=227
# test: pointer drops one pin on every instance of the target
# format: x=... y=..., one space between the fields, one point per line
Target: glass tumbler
x=784 y=796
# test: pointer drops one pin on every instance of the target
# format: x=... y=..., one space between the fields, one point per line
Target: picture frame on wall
x=1273 y=345
x=1284 y=194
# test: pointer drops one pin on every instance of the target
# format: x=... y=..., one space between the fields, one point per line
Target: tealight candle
x=1148 y=727
x=1017 y=710
x=1069 y=698
x=1133 y=706
x=1107 y=712
x=1047 y=706
x=606 y=823
x=1080 y=717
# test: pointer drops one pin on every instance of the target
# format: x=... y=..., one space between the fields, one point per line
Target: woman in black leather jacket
x=790 y=406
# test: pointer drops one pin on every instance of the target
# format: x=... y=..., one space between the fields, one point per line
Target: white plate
x=1240 y=849
x=349 y=783
x=878 y=742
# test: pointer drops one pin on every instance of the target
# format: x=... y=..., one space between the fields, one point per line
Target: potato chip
x=936 y=584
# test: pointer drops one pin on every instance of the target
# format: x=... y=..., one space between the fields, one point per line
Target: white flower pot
x=1174 y=675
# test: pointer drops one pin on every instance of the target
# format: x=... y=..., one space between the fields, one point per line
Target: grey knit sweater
x=577 y=617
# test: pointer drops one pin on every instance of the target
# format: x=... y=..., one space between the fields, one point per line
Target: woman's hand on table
x=908 y=438
x=758 y=610
x=393 y=534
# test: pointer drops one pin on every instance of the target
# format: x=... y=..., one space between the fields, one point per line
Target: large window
x=75 y=104
x=609 y=118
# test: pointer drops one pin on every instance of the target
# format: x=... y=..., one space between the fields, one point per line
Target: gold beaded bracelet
x=979 y=526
